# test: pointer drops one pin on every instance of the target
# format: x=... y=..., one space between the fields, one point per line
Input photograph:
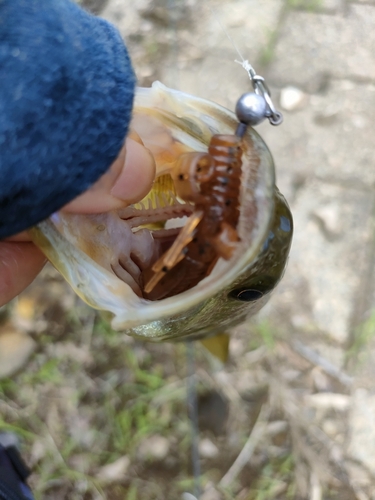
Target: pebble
x=328 y=400
x=154 y=448
x=114 y=471
x=330 y=218
x=329 y=426
x=208 y=449
x=277 y=427
x=292 y=98
x=211 y=494
x=188 y=496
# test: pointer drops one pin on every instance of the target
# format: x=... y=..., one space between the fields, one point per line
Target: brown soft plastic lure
x=212 y=182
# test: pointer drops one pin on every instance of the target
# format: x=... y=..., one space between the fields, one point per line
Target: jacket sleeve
x=66 y=95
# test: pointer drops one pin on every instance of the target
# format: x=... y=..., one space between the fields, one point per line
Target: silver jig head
x=261 y=89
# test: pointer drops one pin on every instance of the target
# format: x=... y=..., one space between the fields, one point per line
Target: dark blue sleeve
x=66 y=95
x=13 y=475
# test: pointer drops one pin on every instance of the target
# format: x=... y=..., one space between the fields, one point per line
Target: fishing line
x=259 y=85
x=227 y=34
x=172 y=22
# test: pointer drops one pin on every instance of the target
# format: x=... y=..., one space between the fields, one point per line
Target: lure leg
x=227 y=241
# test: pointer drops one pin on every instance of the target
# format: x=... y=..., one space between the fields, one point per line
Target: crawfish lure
x=212 y=182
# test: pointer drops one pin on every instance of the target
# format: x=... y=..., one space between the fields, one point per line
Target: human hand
x=128 y=179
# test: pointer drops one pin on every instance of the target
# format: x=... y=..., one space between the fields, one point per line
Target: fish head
x=103 y=256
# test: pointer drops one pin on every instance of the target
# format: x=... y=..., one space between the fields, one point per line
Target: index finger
x=19 y=265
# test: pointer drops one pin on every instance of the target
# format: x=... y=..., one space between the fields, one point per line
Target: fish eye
x=255 y=290
x=247 y=294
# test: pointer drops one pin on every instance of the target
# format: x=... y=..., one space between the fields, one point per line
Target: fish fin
x=218 y=346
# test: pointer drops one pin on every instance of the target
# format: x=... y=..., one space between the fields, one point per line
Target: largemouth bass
x=106 y=257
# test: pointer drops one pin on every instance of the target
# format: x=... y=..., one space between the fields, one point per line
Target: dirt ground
x=292 y=414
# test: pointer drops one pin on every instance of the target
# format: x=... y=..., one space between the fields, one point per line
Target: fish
x=108 y=258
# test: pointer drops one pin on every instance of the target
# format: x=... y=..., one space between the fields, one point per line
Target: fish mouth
x=155 y=222
x=179 y=259
x=106 y=257
x=130 y=241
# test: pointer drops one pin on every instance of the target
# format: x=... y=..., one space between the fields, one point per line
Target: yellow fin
x=218 y=346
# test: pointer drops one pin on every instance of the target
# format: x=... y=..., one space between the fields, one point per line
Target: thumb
x=128 y=180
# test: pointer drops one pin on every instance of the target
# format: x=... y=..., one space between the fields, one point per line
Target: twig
x=256 y=434
x=52 y=441
x=316 y=359
x=359 y=494
x=316 y=488
x=303 y=431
